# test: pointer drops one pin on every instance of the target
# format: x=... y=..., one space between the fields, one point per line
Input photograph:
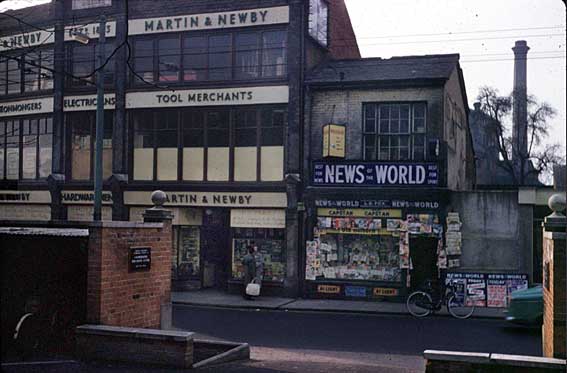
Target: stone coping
x=124 y=224
x=555 y=235
x=118 y=331
x=497 y=359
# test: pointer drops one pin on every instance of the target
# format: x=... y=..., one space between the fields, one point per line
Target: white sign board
x=257 y=218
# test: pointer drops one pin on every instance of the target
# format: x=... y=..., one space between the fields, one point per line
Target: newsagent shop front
x=211 y=231
x=369 y=242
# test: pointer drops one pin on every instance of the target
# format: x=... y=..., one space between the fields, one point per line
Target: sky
x=483 y=33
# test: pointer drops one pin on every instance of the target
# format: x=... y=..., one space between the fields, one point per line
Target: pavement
x=220 y=299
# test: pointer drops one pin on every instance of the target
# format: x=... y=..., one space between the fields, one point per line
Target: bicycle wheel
x=419 y=304
x=458 y=308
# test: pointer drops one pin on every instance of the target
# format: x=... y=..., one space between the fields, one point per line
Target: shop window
x=246 y=140
x=318 y=18
x=213 y=57
x=143 y=146
x=14 y=77
x=246 y=55
x=35 y=135
x=166 y=144
x=83 y=127
x=83 y=63
x=274 y=49
x=193 y=144
x=218 y=140
x=271 y=244
x=13 y=150
x=394 y=132
x=195 y=58
x=169 y=60
x=211 y=144
x=144 y=60
x=188 y=260
x=220 y=57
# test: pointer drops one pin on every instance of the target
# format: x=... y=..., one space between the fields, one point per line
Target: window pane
x=169 y=60
x=246 y=55
x=217 y=128
x=107 y=144
x=395 y=119
x=394 y=148
x=273 y=122
x=369 y=147
x=81 y=147
x=2 y=144
x=14 y=77
x=195 y=58
x=220 y=58
x=45 y=147
x=29 y=149
x=46 y=78
x=83 y=63
x=274 y=54
x=143 y=60
x=166 y=131
x=3 y=81
x=383 y=148
x=31 y=72
x=13 y=150
x=193 y=129
x=143 y=146
x=245 y=128
x=404 y=153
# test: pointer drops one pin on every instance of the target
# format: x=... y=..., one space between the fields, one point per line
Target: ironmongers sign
x=375 y=173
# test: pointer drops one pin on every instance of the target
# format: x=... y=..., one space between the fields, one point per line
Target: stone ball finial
x=159 y=198
x=557 y=203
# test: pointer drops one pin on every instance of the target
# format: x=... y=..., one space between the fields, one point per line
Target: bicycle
x=422 y=303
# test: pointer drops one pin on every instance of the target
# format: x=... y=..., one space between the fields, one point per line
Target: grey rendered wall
x=496 y=232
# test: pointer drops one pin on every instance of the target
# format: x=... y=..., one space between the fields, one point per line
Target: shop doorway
x=423 y=254
x=215 y=243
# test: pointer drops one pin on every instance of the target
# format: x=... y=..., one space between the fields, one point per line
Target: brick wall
x=342 y=41
x=554 y=337
x=121 y=298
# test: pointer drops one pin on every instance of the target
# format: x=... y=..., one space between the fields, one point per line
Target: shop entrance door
x=423 y=253
x=215 y=241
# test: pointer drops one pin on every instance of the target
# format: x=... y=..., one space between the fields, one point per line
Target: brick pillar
x=120 y=292
x=554 y=338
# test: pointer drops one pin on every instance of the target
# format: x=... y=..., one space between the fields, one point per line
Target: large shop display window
x=367 y=244
x=264 y=228
x=188 y=246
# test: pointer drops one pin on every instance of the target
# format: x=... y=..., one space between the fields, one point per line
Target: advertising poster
x=487 y=289
x=496 y=291
x=476 y=292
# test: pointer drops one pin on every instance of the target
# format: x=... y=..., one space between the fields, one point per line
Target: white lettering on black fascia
x=16 y=108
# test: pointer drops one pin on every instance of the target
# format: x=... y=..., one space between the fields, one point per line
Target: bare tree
x=539 y=157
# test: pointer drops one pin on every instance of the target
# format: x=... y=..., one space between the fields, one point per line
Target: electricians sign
x=374 y=174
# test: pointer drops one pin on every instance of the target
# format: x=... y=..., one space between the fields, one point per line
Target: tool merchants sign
x=375 y=173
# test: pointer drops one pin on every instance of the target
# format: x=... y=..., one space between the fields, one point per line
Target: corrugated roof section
x=54 y=232
x=438 y=66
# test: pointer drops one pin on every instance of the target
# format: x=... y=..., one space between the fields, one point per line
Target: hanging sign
x=374 y=173
x=334 y=140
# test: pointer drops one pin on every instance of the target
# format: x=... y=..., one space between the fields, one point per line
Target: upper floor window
x=83 y=64
x=26 y=148
x=394 y=132
x=318 y=18
x=26 y=73
x=211 y=57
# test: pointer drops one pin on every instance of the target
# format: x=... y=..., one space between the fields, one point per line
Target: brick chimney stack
x=520 y=101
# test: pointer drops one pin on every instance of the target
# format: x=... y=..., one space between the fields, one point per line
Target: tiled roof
x=381 y=70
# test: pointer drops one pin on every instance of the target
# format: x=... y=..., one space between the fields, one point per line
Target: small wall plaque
x=139 y=259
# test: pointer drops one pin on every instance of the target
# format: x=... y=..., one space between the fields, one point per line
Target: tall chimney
x=520 y=102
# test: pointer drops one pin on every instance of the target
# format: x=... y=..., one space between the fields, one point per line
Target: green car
x=526 y=306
